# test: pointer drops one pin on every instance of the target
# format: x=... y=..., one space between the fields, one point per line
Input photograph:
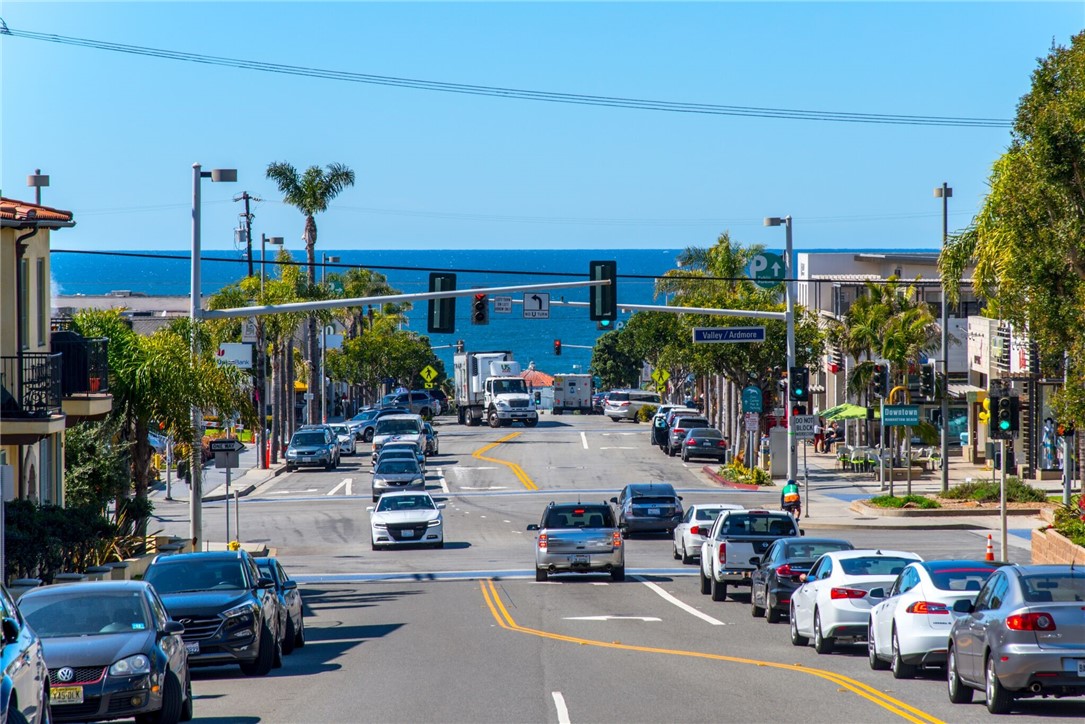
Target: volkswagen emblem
x=66 y=674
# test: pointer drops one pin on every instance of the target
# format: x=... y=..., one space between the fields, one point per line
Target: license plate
x=192 y=647
x=580 y=559
x=653 y=511
x=407 y=534
x=707 y=443
x=66 y=695
x=1081 y=667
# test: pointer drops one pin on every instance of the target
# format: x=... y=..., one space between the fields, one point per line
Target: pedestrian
x=830 y=437
x=790 y=501
x=819 y=435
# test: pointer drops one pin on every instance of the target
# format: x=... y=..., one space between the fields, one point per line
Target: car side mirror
x=614 y=500
x=436 y=433
x=265 y=583
x=532 y=526
x=802 y=532
x=680 y=497
x=440 y=506
x=290 y=586
x=876 y=593
x=962 y=606
x=10 y=631
x=369 y=508
x=755 y=561
x=173 y=628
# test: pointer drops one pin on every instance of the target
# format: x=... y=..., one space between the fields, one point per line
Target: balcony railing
x=85 y=365
x=30 y=385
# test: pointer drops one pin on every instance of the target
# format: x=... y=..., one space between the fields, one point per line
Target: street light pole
x=944 y=192
x=195 y=466
x=324 y=259
x=789 y=287
x=261 y=360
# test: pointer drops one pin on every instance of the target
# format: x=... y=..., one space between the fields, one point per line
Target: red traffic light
x=557 y=347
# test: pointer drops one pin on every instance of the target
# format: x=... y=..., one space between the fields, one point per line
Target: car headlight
x=433 y=523
x=243 y=615
x=131 y=666
x=380 y=526
x=421 y=481
x=291 y=453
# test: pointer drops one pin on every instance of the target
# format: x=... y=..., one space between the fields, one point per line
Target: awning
x=960 y=389
x=300 y=386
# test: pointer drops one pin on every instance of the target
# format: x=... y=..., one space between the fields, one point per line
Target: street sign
x=226 y=445
x=900 y=415
x=502 y=305
x=661 y=388
x=237 y=355
x=766 y=269
x=728 y=334
x=227 y=460
x=660 y=376
x=248 y=330
x=802 y=426
x=752 y=399
x=753 y=421
x=428 y=373
x=428 y=385
x=537 y=305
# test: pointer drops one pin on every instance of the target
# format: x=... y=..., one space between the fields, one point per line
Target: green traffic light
x=1003 y=425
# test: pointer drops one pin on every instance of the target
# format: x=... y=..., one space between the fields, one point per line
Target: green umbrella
x=846 y=411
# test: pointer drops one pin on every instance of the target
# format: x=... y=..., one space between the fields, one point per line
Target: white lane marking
x=648 y=619
x=483 y=487
x=506 y=521
x=291 y=492
x=584 y=440
x=350 y=486
x=337 y=488
x=559 y=704
x=684 y=606
x=442 y=481
x=617 y=448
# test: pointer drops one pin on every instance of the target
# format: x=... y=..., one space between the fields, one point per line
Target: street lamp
x=36 y=181
x=195 y=466
x=261 y=359
x=264 y=240
x=325 y=259
x=944 y=192
x=789 y=286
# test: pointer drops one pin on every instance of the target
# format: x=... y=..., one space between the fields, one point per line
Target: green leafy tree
x=613 y=363
x=96 y=464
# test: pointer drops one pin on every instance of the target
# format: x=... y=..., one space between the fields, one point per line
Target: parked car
x=658 y=435
x=441 y=397
x=406 y=518
x=578 y=538
x=647 y=508
x=417 y=402
x=393 y=474
x=113 y=652
x=690 y=533
x=598 y=401
x=735 y=543
x=1024 y=636
x=398 y=427
x=680 y=426
x=230 y=612
x=289 y=602
x=625 y=404
x=25 y=682
x=313 y=447
x=433 y=445
x=704 y=442
x=832 y=603
x=910 y=626
x=365 y=422
x=780 y=570
x=345 y=438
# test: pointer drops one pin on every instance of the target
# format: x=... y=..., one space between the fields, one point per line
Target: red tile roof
x=12 y=210
x=534 y=378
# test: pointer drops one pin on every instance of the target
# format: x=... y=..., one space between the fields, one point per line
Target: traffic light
x=881 y=380
x=1005 y=416
x=604 y=324
x=557 y=347
x=480 y=309
x=798 y=410
x=603 y=299
x=926 y=382
x=798 y=379
x=441 y=318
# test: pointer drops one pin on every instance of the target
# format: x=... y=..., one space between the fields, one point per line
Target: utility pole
x=246 y=197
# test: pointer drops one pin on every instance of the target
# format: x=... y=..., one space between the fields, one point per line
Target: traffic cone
x=990 y=549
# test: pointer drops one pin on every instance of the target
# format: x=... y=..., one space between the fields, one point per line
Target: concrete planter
x=99 y=573
x=21 y=585
x=1050 y=546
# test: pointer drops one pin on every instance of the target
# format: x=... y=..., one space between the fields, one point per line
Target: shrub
x=987 y=491
x=736 y=472
x=892 y=501
x=646 y=413
x=1070 y=521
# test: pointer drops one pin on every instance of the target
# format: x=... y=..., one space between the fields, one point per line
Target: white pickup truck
x=734 y=545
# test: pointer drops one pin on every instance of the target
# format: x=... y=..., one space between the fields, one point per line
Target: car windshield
x=581 y=516
x=397 y=467
x=87 y=614
x=307 y=438
x=810 y=551
x=191 y=576
x=405 y=502
x=1054 y=587
x=341 y=429
x=874 y=565
x=398 y=427
x=364 y=416
x=505 y=387
x=400 y=447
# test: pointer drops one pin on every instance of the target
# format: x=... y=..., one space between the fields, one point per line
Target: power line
x=516 y=93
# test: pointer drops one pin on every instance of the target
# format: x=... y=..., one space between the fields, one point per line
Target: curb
x=242 y=492
x=860 y=507
x=806 y=524
x=727 y=483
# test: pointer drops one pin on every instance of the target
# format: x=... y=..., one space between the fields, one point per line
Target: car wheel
x=674 y=551
x=685 y=457
x=170 y=712
x=531 y=422
x=772 y=613
x=541 y=575
x=617 y=574
x=330 y=466
x=265 y=659
x=822 y=643
x=706 y=587
x=872 y=658
x=999 y=700
x=616 y=419
x=495 y=421
x=439 y=544
x=755 y=610
x=367 y=436
x=277 y=660
x=959 y=692
x=900 y=669
x=671 y=450
x=796 y=638
x=299 y=637
x=290 y=468
x=687 y=559
x=186 y=708
x=719 y=590
x=290 y=637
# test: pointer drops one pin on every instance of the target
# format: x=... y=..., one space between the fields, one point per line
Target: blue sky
x=118 y=133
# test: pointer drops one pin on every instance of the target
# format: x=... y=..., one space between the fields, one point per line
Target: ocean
x=531 y=340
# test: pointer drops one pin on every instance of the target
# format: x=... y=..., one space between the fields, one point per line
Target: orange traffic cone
x=990 y=549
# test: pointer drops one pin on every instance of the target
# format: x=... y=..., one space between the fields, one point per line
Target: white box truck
x=489 y=387
x=572 y=393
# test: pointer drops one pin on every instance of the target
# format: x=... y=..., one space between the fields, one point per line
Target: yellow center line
x=516 y=469
x=504 y=620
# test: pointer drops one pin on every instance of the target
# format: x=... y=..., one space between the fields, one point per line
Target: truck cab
x=735 y=544
x=489 y=387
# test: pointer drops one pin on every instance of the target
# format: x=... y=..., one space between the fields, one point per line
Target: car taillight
x=542 y=541
x=616 y=538
x=695 y=530
x=721 y=443
x=623 y=404
x=929 y=607
x=847 y=593
x=723 y=553
x=1030 y=622
x=679 y=431
x=785 y=570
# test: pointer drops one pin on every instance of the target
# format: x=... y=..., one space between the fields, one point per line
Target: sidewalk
x=243 y=479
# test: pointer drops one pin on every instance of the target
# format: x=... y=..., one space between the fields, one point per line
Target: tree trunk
x=313 y=352
x=141 y=459
x=276 y=401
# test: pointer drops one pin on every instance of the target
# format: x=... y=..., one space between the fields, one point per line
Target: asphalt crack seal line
x=516 y=469
x=505 y=621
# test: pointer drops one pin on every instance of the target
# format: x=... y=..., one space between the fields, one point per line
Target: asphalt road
x=465 y=634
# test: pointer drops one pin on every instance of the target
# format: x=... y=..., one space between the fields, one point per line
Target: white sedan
x=910 y=627
x=690 y=533
x=833 y=601
x=406 y=518
x=346 y=439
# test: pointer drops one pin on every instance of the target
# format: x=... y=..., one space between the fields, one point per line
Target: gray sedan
x=397 y=474
x=1024 y=636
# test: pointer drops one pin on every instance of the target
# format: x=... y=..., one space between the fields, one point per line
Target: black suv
x=230 y=612
x=648 y=507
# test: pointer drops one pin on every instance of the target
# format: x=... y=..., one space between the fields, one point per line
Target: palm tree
x=310 y=193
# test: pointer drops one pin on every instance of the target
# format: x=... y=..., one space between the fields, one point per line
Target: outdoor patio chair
x=843 y=457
